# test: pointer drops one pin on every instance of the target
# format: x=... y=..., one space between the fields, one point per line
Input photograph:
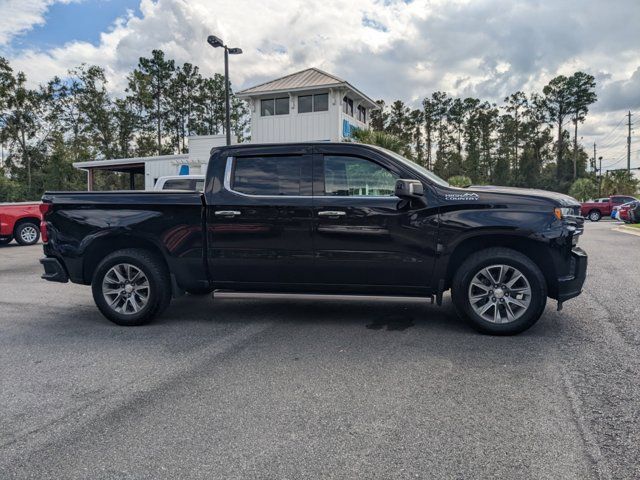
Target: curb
x=629 y=230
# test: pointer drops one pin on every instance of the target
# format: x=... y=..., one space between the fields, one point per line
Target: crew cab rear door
x=259 y=221
x=361 y=236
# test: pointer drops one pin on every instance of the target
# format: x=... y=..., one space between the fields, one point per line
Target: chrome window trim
x=227 y=186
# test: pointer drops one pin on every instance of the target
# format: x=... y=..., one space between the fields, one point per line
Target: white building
x=193 y=163
x=310 y=105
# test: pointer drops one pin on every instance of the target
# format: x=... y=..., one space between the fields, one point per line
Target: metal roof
x=310 y=78
x=127 y=161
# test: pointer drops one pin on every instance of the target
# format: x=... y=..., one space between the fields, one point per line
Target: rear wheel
x=131 y=287
x=595 y=215
x=499 y=291
x=27 y=233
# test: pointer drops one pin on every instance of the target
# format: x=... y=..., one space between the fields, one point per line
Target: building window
x=321 y=102
x=362 y=114
x=347 y=106
x=282 y=106
x=313 y=103
x=305 y=103
x=274 y=106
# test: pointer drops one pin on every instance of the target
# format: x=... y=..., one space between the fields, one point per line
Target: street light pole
x=227 y=119
x=216 y=42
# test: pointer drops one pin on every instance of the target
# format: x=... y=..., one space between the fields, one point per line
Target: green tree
x=381 y=139
x=619 y=182
x=460 y=181
x=557 y=101
x=582 y=95
x=583 y=189
x=150 y=84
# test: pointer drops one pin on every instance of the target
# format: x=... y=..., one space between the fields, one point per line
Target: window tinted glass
x=266 y=107
x=178 y=184
x=282 y=106
x=304 y=103
x=321 y=102
x=270 y=175
x=351 y=176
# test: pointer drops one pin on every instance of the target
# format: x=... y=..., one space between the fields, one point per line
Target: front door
x=363 y=233
x=259 y=222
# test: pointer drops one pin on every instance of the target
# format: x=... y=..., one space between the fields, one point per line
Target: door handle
x=332 y=213
x=226 y=213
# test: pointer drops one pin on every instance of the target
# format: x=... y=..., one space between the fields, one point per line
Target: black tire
x=159 y=292
x=499 y=256
x=6 y=240
x=200 y=291
x=594 y=215
x=27 y=233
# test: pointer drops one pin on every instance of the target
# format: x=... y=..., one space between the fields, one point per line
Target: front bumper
x=53 y=270
x=570 y=286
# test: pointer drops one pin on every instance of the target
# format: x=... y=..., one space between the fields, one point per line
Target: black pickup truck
x=320 y=218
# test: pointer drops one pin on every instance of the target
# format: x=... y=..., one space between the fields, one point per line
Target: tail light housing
x=44 y=209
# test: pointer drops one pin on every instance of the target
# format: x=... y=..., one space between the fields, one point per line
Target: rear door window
x=277 y=175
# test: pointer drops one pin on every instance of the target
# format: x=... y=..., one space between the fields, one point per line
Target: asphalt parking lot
x=306 y=388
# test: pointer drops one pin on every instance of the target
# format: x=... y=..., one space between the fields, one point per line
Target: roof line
x=338 y=79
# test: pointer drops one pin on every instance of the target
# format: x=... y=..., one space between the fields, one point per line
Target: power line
x=614 y=129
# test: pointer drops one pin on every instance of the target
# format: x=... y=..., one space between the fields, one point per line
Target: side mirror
x=409 y=189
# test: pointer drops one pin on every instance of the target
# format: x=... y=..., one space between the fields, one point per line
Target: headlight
x=562 y=212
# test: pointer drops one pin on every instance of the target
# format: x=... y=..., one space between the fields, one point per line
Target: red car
x=624 y=211
x=20 y=221
x=595 y=210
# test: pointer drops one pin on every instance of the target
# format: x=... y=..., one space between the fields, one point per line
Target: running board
x=318 y=296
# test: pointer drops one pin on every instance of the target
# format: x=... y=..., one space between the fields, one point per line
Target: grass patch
x=634 y=225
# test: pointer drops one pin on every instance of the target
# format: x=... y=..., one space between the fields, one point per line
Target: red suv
x=20 y=221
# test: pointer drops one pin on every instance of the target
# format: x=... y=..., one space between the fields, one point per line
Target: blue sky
x=82 y=21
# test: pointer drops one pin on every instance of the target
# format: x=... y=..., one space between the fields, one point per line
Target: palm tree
x=381 y=139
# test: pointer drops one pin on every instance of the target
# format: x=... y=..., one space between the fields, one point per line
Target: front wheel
x=27 y=233
x=499 y=291
x=595 y=215
x=131 y=287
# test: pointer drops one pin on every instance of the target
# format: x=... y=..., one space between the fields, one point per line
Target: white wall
x=301 y=127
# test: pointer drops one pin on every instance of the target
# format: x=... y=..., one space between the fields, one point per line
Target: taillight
x=44 y=209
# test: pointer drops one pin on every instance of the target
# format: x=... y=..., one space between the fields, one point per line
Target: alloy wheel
x=126 y=289
x=29 y=233
x=499 y=293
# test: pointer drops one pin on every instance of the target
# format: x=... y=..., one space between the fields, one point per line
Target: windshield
x=414 y=166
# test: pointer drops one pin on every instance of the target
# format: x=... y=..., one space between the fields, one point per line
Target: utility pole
x=600 y=178
x=629 y=143
x=594 y=156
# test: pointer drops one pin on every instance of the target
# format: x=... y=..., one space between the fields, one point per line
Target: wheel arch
x=20 y=221
x=103 y=246
x=536 y=251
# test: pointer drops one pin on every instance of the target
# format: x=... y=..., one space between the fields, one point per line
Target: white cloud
x=19 y=16
x=390 y=49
